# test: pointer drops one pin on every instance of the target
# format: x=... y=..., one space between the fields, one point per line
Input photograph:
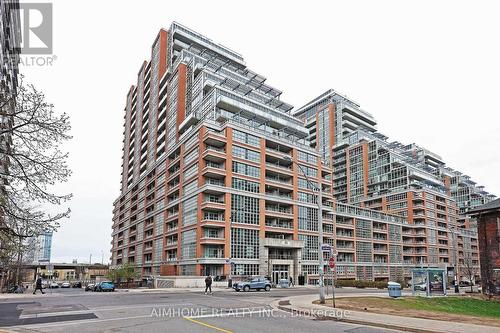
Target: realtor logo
x=36 y=28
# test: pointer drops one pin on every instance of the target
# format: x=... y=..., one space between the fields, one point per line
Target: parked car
x=65 y=285
x=96 y=286
x=89 y=287
x=254 y=283
x=105 y=286
x=77 y=285
x=53 y=285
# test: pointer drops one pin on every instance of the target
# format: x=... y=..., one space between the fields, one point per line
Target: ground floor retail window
x=245 y=269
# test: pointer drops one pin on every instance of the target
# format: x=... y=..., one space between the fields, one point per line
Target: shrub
x=361 y=284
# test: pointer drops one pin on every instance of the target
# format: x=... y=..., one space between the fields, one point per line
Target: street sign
x=326 y=247
x=331 y=262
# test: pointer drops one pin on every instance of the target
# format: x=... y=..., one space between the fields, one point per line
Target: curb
x=353 y=321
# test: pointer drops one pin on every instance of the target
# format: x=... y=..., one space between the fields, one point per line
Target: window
x=245 y=169
x=310 y=269
x=188 y=244
x=307 y=197
x=245 y=185
x=363 y=228
x=310 y=250
x=364 y=251
x=303 y=156
x=191 y=156
x=192 y=186
x=191 y=171
x=246 y=154
x=246 y=138
x=244 y=243
x=189 y=210
x=308 y=218
x=303 y=183
x=188 y=270
x=245 y=269
x=244 y=209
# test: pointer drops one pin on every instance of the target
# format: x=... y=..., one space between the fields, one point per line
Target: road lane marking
x=74 y=322
x=103 y=309
x=207 y=325
x=235 y=312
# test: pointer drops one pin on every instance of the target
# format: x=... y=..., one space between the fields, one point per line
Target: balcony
x=214 y=139
x=280 y=256
x=212 y=240
x=214 y=170
x=214 y=154
x=283 y=243
x=279 y=194
x=213 y=204
x=282 y=168
x=279 y=211
x=276 y=152
x=279 y=223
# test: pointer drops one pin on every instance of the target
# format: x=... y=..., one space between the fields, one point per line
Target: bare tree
x=469 y=269
x=32 y=134
x=31 y=163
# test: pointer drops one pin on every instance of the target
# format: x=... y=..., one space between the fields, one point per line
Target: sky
x=428 y=71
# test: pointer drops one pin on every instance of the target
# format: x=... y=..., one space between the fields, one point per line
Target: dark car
x=254 y=283
x=89 y=287
x=77 y=285
x=105 y=286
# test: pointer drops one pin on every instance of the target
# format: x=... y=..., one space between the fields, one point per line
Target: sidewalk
x=303 y=305
x=56 y=293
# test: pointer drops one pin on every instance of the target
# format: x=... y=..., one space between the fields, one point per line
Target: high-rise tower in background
x=39 y=248
x=10 y=39
x=215 y=166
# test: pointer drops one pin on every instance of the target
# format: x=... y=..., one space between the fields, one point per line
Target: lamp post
x=453 y=230
x=321 y=263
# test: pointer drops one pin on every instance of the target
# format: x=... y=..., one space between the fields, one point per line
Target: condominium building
x=406 y=180
x=219 y=173
x=39 y=248
x=10 y=38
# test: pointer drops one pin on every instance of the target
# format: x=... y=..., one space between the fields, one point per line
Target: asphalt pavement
x=74 y=310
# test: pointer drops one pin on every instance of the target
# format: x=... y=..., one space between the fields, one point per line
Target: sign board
x=331 y=262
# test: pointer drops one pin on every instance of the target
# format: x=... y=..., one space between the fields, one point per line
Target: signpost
x=331 y=263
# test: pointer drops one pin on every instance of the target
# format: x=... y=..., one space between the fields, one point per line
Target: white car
x=53 y=284
x=65 y=285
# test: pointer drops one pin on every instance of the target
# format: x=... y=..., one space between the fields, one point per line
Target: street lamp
x=321 y=262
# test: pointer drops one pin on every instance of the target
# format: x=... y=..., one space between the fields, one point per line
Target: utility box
x=284 y=283
x=394 y=289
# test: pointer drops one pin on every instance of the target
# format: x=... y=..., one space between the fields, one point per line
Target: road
x=73 y=310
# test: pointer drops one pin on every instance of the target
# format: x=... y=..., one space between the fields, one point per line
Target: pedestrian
x=38 y=285
x=291 y=281
x=208 y=284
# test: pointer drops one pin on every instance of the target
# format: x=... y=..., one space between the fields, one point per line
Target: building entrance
x=280 y=272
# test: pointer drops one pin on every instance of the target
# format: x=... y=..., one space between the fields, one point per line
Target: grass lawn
x=474 y=310
x=457 y=305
